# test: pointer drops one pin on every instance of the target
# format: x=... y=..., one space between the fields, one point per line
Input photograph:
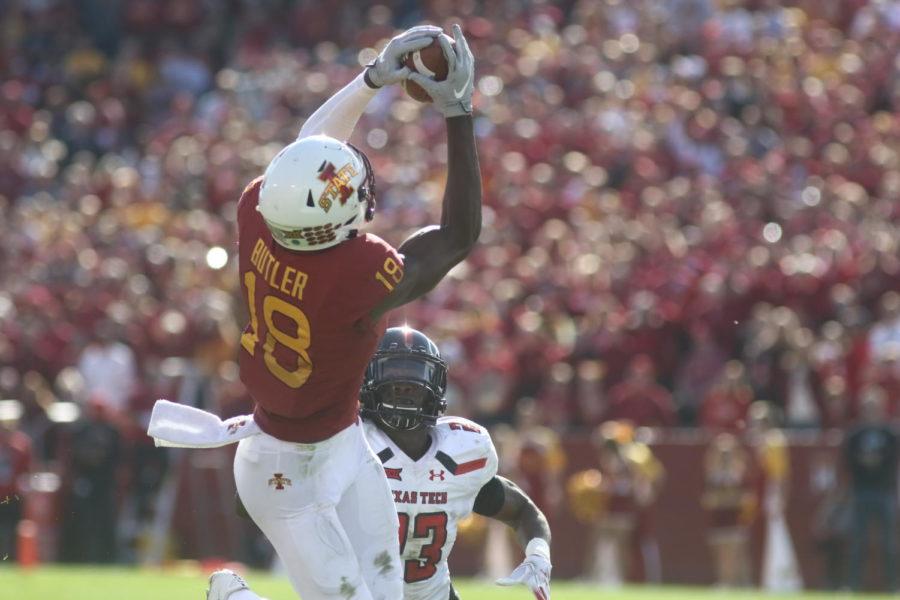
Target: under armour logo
x=439 y=475
x=233 y=427
x=279 y=481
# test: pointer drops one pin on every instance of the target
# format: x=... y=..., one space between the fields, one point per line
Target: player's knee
x=329 y=532
x=332 y=561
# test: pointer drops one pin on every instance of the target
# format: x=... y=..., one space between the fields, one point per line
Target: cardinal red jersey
x=309 y=339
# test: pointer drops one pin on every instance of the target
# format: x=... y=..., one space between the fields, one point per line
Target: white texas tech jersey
x=432 y=494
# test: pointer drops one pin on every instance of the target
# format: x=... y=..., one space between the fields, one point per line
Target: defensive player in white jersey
x=440 y=469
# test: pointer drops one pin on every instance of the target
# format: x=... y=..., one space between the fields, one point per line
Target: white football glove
x=388 y=67
x=534 y=571
x=453 y=96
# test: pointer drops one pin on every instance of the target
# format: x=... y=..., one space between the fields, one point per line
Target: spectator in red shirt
x=700 y=369
x=724 y=408
x=639 y=399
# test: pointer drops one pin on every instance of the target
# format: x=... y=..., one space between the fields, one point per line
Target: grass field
x=189 y=583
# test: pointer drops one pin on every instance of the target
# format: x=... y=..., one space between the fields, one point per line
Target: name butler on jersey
x=432 y=495
x=288 y=280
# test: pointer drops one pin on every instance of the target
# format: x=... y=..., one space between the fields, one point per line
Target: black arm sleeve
x=490 y=498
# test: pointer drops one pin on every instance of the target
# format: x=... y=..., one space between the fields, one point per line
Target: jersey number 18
x=297 y=340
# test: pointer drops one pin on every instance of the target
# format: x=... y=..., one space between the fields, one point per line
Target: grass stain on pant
x=383 y=563
x=347 y=590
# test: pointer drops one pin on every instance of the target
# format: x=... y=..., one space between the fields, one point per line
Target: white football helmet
x=316 y=193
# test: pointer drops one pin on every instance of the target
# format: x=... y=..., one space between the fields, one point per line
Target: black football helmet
x=405 y=381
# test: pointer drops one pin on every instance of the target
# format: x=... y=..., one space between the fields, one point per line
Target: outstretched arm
x=430 y=253
x=503 y=500
x=340 y=113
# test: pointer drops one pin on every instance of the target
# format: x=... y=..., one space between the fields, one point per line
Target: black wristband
x=368 y=79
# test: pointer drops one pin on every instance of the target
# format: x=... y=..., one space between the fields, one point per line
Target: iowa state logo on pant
x=279 y=481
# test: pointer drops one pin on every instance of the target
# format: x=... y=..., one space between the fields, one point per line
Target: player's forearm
x=531 y=524
x=340 y=113
x=461 y=212
x=522 y=515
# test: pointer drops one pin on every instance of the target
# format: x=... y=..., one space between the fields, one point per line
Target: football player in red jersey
x=318 y=292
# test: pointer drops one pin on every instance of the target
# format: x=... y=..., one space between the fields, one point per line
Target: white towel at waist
x=180 y=426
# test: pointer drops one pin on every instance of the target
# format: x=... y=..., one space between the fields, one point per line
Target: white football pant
x=328 y=511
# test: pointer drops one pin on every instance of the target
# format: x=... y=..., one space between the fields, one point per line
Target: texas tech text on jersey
x=432 y=495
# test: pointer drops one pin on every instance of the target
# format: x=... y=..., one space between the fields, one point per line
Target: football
x=429 y=61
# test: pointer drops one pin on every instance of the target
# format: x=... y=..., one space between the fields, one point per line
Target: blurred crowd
x=690 y=205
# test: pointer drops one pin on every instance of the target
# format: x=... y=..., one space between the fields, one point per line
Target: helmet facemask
x=404 y=410
x=404 y=390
